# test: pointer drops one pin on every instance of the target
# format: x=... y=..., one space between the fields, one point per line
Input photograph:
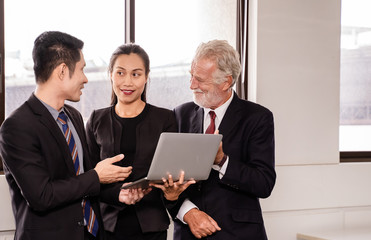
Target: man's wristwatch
x=223 y=160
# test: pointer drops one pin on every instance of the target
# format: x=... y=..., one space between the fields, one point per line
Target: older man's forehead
x=205 y=63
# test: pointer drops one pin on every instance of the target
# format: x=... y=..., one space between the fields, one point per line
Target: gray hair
x=225 y=56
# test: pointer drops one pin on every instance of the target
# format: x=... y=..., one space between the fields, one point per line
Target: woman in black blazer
x=132 y=127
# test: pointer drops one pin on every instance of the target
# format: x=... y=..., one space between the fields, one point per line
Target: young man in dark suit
x=43 y=146
x=226 y=205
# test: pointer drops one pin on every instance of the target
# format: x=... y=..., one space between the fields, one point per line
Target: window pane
x=170 y=32
x=355 y=85
x=100 y=24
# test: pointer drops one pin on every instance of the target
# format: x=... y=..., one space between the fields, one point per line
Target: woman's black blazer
x=104 y=133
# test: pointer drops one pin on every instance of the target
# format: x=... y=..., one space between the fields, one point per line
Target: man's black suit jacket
x=46 y=194
x=233 y=201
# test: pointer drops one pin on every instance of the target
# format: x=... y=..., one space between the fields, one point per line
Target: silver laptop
x=193 y=153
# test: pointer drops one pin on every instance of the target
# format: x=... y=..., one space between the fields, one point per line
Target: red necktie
x=211 y=128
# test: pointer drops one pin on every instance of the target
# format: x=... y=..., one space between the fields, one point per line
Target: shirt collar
x=52 y=110
x=220 y=111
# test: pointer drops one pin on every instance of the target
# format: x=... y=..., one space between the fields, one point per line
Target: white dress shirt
x=219 y=112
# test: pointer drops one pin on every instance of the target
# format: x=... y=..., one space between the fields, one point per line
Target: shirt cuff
x=222 y=169
x=186 y=206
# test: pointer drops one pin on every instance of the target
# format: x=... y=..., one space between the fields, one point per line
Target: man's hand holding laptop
x=172 y=189
x=132 y=196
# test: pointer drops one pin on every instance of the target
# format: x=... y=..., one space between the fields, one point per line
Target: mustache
x=197 y=91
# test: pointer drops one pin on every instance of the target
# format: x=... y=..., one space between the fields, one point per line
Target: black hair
x=128 y=49
x=52 y=48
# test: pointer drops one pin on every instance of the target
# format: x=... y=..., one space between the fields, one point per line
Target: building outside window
x=171 y=34
x=100 y=24
x=168 y=30
x=355 y=85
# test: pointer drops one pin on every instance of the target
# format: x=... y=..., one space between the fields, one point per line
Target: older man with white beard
x=226 y=205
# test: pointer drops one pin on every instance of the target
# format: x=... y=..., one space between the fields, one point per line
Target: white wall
x=7 y=225
x=296 y=75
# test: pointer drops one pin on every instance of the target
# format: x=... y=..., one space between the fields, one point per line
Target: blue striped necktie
x=89 y=215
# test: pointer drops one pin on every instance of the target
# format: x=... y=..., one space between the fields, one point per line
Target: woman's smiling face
x=128 y=78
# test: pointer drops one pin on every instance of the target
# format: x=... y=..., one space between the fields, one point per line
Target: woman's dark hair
x=128 y=49
x=53 y=48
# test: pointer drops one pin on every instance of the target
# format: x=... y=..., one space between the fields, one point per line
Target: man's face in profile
x=75 y=83
x=206 y=93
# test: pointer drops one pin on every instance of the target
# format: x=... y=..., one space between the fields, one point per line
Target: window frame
x=129 y=21
x=2 y=75
x=353 y=157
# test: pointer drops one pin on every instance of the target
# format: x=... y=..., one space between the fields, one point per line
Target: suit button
x=80 y=223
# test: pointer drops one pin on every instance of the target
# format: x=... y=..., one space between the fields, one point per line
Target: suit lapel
x=116 y=129
x=44 y=116
x=231 y=117
x=197 y=120
x=80 y=131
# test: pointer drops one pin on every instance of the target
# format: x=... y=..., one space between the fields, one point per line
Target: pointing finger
x=116 y=158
